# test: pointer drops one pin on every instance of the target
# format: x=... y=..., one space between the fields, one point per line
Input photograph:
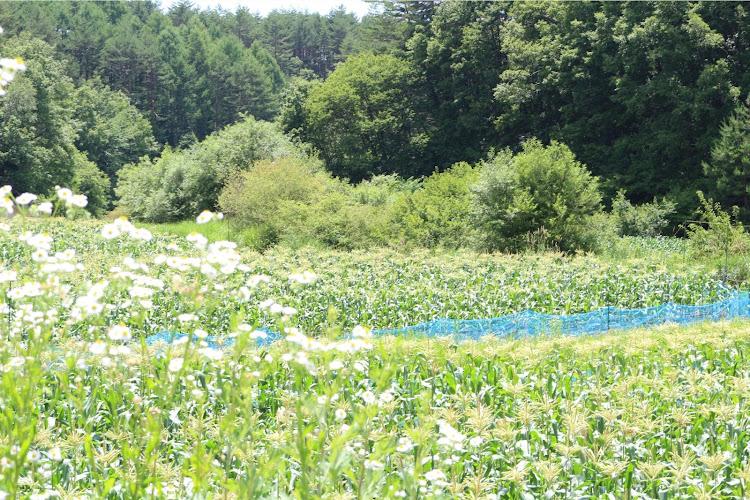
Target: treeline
x=189 y=72
x=649 y=96
x=637 y=90
x=541 y=197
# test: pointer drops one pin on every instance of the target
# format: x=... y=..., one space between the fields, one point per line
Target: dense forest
x=158 y=109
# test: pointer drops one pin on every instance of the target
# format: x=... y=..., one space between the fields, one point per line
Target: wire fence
x=530 y=323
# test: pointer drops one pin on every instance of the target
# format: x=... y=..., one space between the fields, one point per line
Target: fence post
x=607 y=316
x=737 y=314
x=607 y=305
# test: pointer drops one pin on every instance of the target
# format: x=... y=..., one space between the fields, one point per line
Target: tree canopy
x=365 y=119
x=642 y=93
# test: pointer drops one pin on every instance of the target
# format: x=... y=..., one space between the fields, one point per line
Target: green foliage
x=137 y=182
x=294 y=116
x=730 y=158
x=177 y=101
x=36 y=121
x=459 y=58
x=314 y=43
x=363 y=119
x=187 y=71
x=382 y=190
x=237 y=83
x=636 y=89
x=180 y=184
x=256 y=196
x=88 y=179
x=112 y=132
x=646 y=219
x=543 y=190
x=717 y=233
x=439 y=212
x=309 y=206
x=334 y=220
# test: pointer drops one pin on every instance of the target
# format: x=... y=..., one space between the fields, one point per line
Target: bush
x=383 y=190
x=256 y=196
x=309 y=206
x=180 y=184
x=541 y=187
x=89 y=180
x=647 y=219
x=717 y=233
x=335 y=220
x=439 y=212
x=138 y=184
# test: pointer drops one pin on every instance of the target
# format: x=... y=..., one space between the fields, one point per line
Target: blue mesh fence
x=530 y=323
x=215 y=341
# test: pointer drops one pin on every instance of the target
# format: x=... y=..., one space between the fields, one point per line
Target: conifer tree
x=730 y=158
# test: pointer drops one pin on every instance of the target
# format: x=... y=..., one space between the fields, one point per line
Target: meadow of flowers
x=89 y=410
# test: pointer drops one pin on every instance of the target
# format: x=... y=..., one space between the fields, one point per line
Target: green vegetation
x=388 y=288
x=371 y=106
x=36 y=126
x=413 y=89
x=730 y=159
x=189 y=180
x=438 y=213
x=367 y=168
x=91 y=411
x=646 y=219
x=541 y=191
x=111 y=131
x=643 y=94
x=189 y=72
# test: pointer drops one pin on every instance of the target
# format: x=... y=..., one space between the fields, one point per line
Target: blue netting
x=530 y=323
x=215 y=341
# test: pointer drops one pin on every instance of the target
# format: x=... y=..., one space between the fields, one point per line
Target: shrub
x=717 y=233
x=541 y=187
x=647 y=219
x=138 y=183
x=382 y=190
x=89 y=180
x=180 y=184
x=307 y=206
x=336 y=220
x=439 y=212
x=255 y=196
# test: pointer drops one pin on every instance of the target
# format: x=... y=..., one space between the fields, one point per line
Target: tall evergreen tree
x=730 y=159
x=84 y=38
x=246 y=26
x=181 y=12
x=278 y=37
x=176 y=109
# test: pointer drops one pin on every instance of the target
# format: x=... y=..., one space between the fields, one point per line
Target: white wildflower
x=204 y=217
x=25 y=198
x=175 y=364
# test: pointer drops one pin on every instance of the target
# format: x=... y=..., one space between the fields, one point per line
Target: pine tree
x=730 y=158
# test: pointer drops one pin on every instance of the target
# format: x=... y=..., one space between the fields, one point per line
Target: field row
x=88 y=410
x=383 y=289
